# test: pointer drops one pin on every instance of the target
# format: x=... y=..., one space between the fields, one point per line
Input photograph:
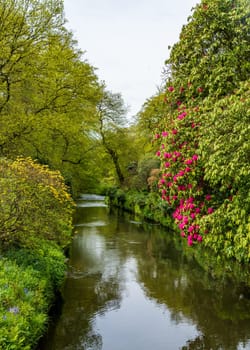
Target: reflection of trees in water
x=214 y=306
x=85 y=298
x=91 y=342
x=96 y=283
x=204 y=343
x=199 y=343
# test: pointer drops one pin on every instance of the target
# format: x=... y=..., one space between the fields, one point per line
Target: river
x=130 y=288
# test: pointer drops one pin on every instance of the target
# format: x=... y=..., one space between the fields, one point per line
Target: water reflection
x=128 y=287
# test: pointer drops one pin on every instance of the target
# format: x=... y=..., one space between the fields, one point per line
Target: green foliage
x=35 y=204
x=213 y=50
x=225 y=149
x=48 y=94
x=201 y=128
x=145 y=166
x=144 y=205
x=27 y=282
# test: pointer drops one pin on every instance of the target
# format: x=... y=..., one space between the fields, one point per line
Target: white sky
x=127 y=41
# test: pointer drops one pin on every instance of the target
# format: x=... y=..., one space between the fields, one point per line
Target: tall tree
x=203 y=137
x=111 y=114
x=48 y=93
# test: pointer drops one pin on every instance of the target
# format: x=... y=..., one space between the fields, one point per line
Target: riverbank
x=147 y=207
x=35 y=231
x=29 y=280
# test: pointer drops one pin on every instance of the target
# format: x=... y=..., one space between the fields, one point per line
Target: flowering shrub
x=205 y=178
x=34 y=203
x=182 y=182
x=202 y=137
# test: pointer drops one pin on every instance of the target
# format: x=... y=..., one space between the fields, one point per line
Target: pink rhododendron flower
x=167 y=165
x=190 y=240
x=188 y=161
x=174 y=131
x=199 y=238
x=162 y=181
x=183 y=234
x=208 y=197
x=164 y=133
x=197 y=210
x=158 y=153
x=181 y=225
x=167 y=155
x=210 y=210
x=193 y=215
x=177 y=154
x=189 y=186
x=191 y=228
x=157 y=136
x=182 y=115
x=175 y=178
x=170 y=88
x=195 y=157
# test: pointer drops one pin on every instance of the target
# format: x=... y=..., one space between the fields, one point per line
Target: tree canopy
x=201 y=128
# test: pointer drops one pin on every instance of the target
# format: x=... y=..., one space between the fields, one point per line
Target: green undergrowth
x=28 y=280
x=145 y=205
x=35 y=230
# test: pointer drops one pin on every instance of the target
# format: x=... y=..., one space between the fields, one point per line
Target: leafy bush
x=27 y=282
x=203 y=136
x=34 y=204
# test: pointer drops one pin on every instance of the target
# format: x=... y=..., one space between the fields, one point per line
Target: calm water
x=129 y=288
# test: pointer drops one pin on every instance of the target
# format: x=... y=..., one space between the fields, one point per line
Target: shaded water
x=129 y=288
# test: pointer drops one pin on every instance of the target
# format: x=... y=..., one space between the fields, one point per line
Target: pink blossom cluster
x=180 y=185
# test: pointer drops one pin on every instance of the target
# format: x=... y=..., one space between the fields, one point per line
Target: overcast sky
x=127 y=41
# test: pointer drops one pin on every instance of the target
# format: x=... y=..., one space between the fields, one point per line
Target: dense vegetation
x=184 y=162
x=36 y=223
x=202 y=123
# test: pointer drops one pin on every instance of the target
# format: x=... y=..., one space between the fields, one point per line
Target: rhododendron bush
x=203 y=136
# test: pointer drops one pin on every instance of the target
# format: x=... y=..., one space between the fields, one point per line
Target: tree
x=204 y=176
x=111 y=114
x=48 y=93
x=212 y=54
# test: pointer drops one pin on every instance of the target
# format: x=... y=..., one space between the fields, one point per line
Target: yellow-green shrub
x=35 y=204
